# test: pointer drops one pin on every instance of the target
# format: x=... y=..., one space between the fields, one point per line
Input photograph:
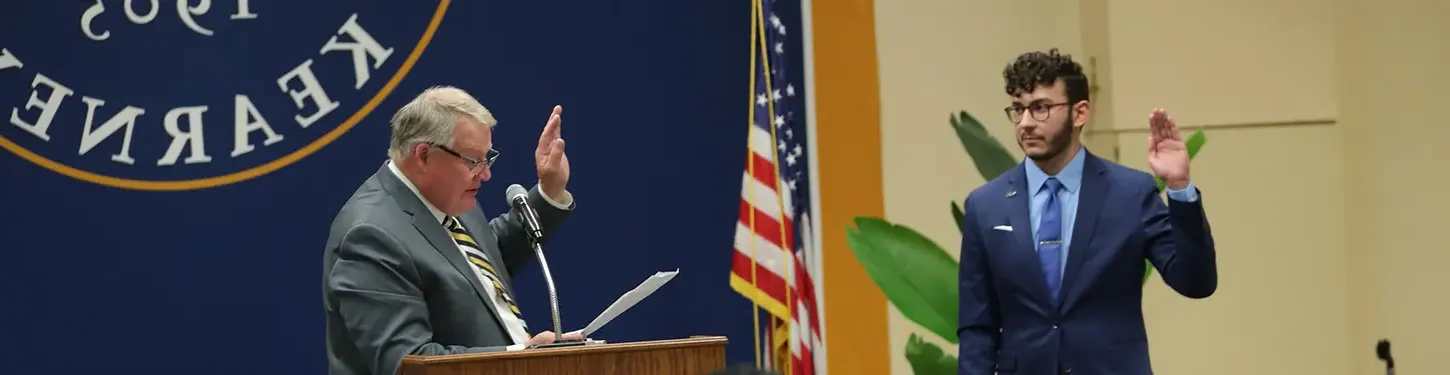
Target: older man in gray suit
x=412 y=265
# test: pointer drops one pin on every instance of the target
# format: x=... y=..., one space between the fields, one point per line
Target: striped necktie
x=475 y=256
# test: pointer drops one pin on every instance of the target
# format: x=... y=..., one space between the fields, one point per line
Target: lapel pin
x=1011 y=194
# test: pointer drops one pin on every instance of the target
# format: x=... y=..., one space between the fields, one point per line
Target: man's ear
x=421 y=154
x=1080 y=114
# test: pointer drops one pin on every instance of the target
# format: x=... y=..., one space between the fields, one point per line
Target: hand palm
x=549 y=158
x=1166 y=157
x=1167 y=153
x=547 y=165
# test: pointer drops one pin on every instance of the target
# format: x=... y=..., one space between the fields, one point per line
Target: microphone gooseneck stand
x=518 y=199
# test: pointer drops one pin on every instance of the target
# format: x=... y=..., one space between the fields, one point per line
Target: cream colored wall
x=1393 y=57
x=937 y=57
x=1274 y=195
x=1227 y=61
x=1324 y=244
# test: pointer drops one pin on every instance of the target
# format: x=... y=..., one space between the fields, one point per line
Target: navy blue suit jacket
x=1009 y=325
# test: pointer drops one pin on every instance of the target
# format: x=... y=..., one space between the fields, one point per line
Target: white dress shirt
x=511 y=322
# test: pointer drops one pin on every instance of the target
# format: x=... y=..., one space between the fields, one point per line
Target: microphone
x=518 y=198
x=1382 y=350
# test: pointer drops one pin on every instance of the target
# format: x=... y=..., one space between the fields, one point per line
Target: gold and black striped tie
x=475 y=256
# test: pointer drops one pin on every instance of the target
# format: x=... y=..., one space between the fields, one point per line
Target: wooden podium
x=698 y=355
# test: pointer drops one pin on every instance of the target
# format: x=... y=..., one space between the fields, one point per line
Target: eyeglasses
x=1040 y=111
x=474 y=165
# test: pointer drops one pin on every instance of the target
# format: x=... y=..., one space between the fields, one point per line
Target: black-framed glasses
x=473 y=164
x=1040 y=111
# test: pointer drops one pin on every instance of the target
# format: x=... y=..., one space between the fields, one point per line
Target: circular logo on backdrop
x=192 y=94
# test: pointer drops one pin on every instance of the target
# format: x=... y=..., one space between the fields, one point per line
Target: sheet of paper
x=629 y=299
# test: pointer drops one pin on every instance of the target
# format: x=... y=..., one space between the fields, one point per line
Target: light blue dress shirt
x=1071 y=178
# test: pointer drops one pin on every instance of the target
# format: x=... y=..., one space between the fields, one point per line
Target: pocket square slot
x=1003 y=228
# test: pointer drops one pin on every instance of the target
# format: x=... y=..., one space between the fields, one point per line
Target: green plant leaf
x=989 y=156
x=1147 y=270
x=915 y=274
x=928 y=359
x=957 y=215
x=1193 y=144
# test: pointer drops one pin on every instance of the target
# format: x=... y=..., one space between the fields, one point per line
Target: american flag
x=775 y=208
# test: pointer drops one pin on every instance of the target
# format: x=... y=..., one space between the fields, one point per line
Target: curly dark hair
x=1037 y=68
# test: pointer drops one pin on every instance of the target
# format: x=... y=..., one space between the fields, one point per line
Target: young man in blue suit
x=1052 y=251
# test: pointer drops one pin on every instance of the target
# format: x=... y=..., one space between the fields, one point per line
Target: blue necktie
x=1049 y=239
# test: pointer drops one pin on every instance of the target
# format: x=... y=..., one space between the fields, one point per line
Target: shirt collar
x=1070 y=176
x=437 y=214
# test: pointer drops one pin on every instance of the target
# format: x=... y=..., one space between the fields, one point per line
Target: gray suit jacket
x=394 y=283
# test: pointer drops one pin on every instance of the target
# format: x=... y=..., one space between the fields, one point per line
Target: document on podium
x=629 y=299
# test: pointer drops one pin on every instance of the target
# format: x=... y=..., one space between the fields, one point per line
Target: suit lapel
x=1024 y=254
x=1082 y=262
x=433 y=231
x=443 y=243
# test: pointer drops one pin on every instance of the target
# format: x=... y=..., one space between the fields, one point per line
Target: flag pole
x=750 y=170
x=780 y=184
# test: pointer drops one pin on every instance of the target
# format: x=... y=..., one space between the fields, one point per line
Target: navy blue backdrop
x=225 y=279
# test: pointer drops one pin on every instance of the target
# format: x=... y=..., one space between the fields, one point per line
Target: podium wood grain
x=698 y=355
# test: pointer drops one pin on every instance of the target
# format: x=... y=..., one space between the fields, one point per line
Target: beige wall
x=1274 y=195
x=1324 y=244
x=1393 y=80
x=1226 y=61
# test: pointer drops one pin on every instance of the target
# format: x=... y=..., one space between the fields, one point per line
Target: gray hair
x=432 y=117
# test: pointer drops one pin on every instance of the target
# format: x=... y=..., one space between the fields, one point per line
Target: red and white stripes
x=761 y=264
